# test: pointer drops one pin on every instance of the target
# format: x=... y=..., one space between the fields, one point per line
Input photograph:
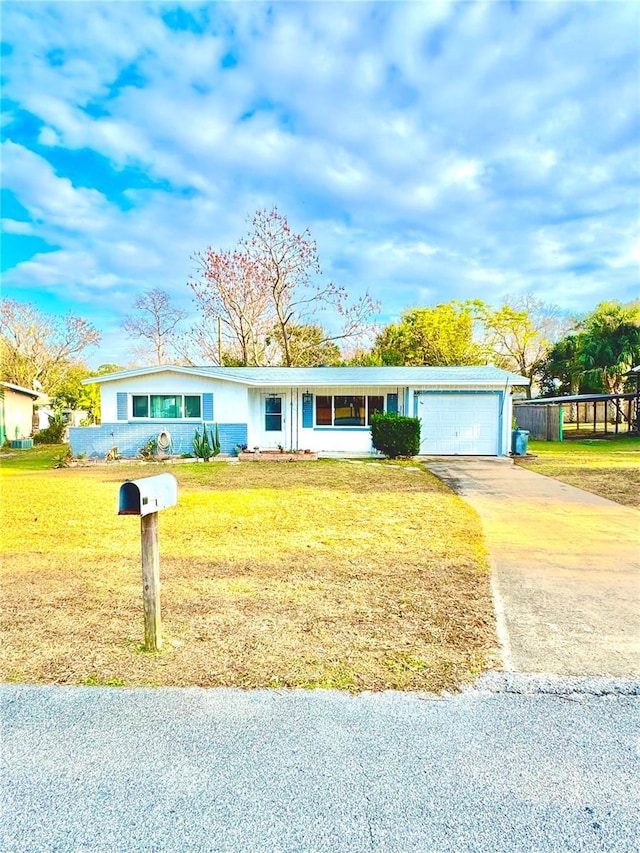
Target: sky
x=435 y=151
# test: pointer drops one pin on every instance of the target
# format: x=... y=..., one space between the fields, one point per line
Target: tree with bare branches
x=272 y=281
x=39 y=349
x=231 y=287
x=155 y=319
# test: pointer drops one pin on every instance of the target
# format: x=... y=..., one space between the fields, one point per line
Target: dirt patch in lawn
x=319 y=575
x=609 y=468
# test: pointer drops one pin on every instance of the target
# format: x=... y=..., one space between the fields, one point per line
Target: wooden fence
x=543 y=422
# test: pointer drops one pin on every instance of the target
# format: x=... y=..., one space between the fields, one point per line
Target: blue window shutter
x=121 y=404
x=307 y=411
x=207 y=407
x=392 y=403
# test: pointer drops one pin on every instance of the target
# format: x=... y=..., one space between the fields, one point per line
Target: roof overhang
x=315 y=378
x=145 y=371
x=35 y=395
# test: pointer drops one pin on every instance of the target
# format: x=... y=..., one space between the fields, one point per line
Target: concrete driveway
x=565 y=569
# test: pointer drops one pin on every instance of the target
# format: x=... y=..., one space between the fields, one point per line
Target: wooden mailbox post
x=144 y=498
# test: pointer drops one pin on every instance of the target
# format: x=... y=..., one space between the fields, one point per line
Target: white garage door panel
x=459 y=424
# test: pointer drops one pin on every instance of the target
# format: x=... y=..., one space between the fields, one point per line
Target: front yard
x=314 y=574
x=607 y=467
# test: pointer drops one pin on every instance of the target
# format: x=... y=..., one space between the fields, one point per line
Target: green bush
x=395 y=435
x=51 y=435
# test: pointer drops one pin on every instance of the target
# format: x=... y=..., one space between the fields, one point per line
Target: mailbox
x=142 y=497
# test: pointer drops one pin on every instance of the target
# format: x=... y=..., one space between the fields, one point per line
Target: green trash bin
x=519 y=442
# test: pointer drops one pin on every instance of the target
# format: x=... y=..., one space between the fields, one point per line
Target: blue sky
x=435 y=150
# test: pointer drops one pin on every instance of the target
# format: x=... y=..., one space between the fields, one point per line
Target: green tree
x=610 y=343
x=72 y=394
x=519 y=334
x=563 y=366
x=441 y=335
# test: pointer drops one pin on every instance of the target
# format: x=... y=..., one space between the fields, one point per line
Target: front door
x=273 y=423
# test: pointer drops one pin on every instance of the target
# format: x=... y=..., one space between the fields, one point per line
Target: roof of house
x=35 y=395
x=317 y=376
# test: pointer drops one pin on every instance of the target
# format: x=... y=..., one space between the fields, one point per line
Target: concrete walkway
x=565 y=569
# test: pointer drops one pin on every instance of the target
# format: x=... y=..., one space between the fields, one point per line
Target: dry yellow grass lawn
x=606 y=467
x=318 y=574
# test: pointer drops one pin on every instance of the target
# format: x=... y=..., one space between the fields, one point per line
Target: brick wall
x=129 y=437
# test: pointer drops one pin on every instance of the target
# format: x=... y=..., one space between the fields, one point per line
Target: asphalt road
x=104 y=769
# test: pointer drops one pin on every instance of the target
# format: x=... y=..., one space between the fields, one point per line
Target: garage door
x=464 y=424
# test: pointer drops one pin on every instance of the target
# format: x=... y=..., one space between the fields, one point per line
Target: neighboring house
x=70 y=417
x=16 y=410
x=463 y=410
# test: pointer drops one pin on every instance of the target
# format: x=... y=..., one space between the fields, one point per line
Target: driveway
x=230 y=771
x=565 y=569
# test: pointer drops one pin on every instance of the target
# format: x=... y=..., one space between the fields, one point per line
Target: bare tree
x=231 y=287
x=40 y=348
x=156 y=319
x=272 y=281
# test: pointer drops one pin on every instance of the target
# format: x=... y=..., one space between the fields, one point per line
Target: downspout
x=506 y=422
x=291 y=419
x=297 y=419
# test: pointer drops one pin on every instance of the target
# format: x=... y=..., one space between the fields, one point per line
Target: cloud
x=436 y=151
x=13 y=226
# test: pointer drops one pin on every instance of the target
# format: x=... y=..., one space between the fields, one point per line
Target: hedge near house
x=395 y=435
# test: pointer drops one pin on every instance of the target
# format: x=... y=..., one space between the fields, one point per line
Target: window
x=273 y=414
x=192 y=408
x=140 y=407
x=166 y=406
x=347 y=410
x=375 y=406
x=324 y=407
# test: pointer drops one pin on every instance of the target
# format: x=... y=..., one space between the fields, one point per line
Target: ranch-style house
x=463 y=410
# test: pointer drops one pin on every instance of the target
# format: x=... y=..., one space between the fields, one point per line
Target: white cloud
x=13 y=226
x=436 y=150
x=49 y=137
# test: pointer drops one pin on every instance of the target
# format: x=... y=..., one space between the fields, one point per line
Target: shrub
x=53 y=434
x=149 y=450
x=395 y=435
x=63 y=460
